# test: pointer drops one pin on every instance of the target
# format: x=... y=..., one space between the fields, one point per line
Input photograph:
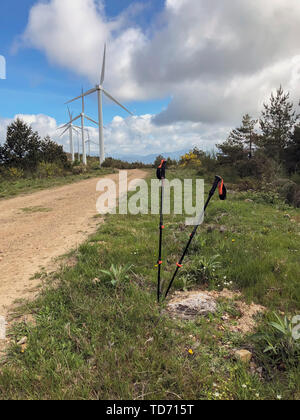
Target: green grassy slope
x=12 y=188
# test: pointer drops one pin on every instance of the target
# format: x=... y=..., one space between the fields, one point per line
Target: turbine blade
x=74 y=129
x=74 y=119
x=63 y=126
x=103 y=67
x=72 y=100
x=82 y=98
x=89 y=92
x=84 y=94
x=70 y=115
x=90 y=119
x=64 y=131
x=117 y=102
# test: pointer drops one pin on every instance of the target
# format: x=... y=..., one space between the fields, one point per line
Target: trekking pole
x=161 y=175
x=222 y=193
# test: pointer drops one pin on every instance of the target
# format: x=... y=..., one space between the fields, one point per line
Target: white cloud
x=131 y=136
x=72 y=34
x=216 y=59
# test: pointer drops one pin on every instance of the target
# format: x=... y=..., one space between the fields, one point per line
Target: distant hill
x=149 y=158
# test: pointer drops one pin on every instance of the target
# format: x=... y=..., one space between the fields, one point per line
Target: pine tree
x=22 y=146
x=52 y=152
x=240 y=143
x=277 y=122
x=247 y=133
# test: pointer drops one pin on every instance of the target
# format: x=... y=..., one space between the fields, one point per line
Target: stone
x=192 y=305
x=96 y=281
x=244 y=356
x=22 y=341
x=249 y=201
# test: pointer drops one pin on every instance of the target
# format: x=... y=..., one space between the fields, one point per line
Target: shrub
x=191 y=160
x=79 y=169
x=289 y=191
x=247 y=184
x=120 y=164
x=263 y=197
x=15 y=173
x=48 y=170
x=202 y=270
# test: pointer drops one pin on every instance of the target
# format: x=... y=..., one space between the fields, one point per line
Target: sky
x=188 y=69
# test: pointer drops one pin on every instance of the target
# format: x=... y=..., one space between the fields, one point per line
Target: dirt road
x=37 y=228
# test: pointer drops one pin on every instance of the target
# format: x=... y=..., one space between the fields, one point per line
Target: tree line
x=24 y=149
x=274 y=138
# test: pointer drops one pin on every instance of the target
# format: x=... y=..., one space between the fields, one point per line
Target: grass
x=98 y=333
x=12 y=188
x=35 y=209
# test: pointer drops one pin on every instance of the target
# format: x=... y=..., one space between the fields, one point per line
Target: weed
x=117 y=274
x=204 y=269
x=276 y=343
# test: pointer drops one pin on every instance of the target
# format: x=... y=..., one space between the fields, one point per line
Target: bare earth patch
x=190 y=305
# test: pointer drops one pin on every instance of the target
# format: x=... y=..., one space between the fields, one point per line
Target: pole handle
x=161 y=170
x=217 y=181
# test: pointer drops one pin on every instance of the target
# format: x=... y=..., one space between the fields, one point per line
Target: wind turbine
x=99 y=89
x=82 y=116
x=89 y=141
x=69 y=126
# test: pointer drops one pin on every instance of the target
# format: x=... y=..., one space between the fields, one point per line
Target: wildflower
x=257 y=395
x=233 y=240
x=279 y=397
x=244 y=386
x=217 y=394
x=191 y=352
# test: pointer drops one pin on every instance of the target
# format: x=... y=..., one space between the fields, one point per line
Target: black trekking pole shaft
x=161 y=175
x=179 y=264
x=160 y=240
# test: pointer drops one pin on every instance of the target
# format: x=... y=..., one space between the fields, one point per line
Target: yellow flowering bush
x=15 y=173
x=190 y=159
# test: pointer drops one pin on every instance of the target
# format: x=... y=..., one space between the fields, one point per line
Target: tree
x=277 y=122
x=22 y=146
x=51 y=152
x=239 y=144
x=247 y=133
x=292 y=152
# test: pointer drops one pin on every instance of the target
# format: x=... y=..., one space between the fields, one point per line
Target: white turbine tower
x=89 y=141
x=69 y=126
x=99 y=89
x=82 y=116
